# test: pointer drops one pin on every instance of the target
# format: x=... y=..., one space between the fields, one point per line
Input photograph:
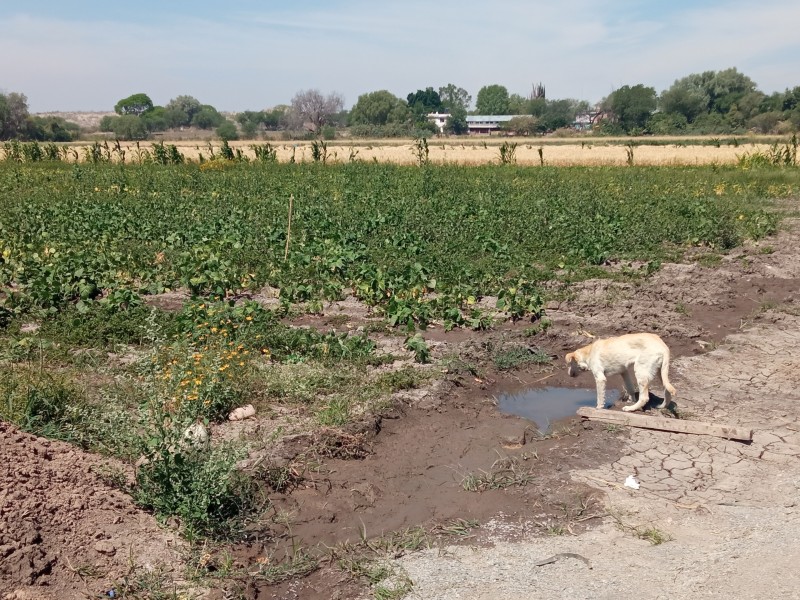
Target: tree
x=559 y=113
x=492 y=100
x=207 y=117
x=227 y=131
x=13 y=115
x=155 y=119
x=423 y=102
x=51 y=129
x=457 y=121
x=523 y=125
x=379 y=108
x=632 y=106
x=130 y=127
x=684 y=98
x=182 y=109
x=316 y=109
x=518 y=105
x=453 y=97
x=135 y=105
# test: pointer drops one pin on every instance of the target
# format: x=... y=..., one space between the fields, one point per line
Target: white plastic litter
x=243 y=412
x=631 y=482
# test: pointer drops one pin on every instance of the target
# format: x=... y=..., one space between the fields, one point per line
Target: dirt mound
x=64 y=532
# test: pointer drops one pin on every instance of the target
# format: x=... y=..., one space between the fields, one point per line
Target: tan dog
x=635 y=355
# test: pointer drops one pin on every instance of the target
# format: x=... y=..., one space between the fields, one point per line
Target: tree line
x=717 y=102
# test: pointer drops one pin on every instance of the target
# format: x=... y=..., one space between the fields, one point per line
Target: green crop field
x=83 y=245
x=417 y=243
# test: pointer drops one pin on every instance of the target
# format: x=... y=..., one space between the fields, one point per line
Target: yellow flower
x=213 y=330
x=248 y=318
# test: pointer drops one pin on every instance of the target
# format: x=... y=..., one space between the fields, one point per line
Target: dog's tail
x=669 y=391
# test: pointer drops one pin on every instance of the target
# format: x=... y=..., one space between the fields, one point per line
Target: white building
x=439 y=119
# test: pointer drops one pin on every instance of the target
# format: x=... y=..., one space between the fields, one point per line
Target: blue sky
x=245 y=54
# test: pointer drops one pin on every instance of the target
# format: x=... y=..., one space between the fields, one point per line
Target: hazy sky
x=248 y=54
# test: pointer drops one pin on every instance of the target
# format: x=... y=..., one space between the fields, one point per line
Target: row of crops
x=416 y=243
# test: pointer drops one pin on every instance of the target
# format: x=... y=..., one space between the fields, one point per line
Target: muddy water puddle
x=544 y=406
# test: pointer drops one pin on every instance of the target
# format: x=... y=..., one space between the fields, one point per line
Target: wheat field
x=479 y=151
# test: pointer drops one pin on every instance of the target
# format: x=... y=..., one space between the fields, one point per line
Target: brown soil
x=65 y=533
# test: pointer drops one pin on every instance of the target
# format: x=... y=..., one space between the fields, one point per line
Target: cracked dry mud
x=731 y=511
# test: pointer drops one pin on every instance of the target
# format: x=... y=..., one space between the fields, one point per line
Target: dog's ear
x=568 y=358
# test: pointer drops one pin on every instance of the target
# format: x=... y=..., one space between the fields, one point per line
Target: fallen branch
x=675 y=425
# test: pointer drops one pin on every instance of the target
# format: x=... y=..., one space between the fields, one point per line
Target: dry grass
x=478 y=151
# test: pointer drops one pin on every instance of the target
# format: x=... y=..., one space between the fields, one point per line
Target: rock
x=105 y=547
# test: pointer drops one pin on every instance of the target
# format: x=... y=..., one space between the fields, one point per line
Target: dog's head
x=573 y=366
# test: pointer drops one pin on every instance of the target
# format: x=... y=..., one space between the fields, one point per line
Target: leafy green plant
x=416 y=343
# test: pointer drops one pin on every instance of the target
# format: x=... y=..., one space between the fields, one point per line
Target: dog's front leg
x=600 y=382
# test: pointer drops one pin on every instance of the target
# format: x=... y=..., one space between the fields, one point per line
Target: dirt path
x=730 y=510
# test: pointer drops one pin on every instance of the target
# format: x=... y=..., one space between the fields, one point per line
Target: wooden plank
x=663 y=424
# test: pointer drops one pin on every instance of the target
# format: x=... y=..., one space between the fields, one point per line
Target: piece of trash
x=197 y=434
x=243 y=412
x=631 y=482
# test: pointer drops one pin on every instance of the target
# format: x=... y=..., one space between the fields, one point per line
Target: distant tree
x=136 y=105
x=423 y=102
x=51 y=129
x=227 y=131
x=727 y=87
x=632 y=106
x=667 y=123
x=250 y=121
x=492 y=100
x=13 y=115
x=155 y=119
x=379 y=108
x=130 y=127
x=453 y=96
x=537 y=106
x=107 y=123
x=523 y=125
x=207 y=117
x=518 y=105
x=457 y=121
x=182 y=109
x=560 y=113
x=315 y=108
x=684 y=98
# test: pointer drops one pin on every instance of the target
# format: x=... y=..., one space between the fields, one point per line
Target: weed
x=709 y=259
x=404 y=379
x=416 y=343
x=508 y=153
x=653 y=535
x=516 y=356
x=421 y=151
x=505 y=472
x=541 y=326
x=335 y=413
